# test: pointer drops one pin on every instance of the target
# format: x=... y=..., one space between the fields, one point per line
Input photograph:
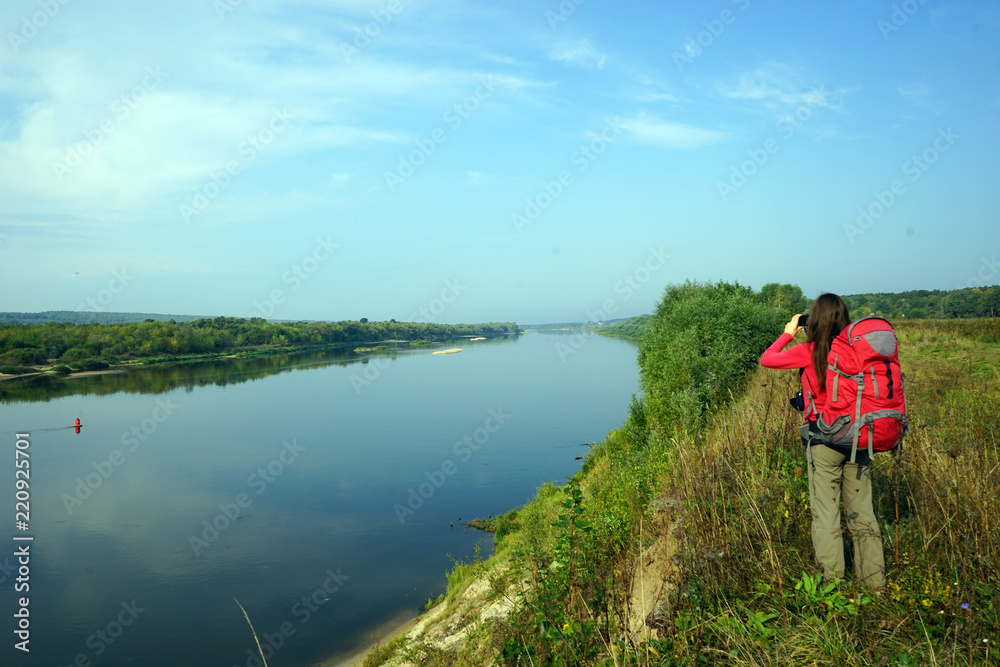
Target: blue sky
x=461 y=162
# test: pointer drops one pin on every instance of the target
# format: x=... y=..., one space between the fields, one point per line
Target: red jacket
x=799 y=356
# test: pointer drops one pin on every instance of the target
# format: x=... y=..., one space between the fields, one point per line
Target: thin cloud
x=780 y=85
x=339 y=180
x=653 y=131
x=582 y=54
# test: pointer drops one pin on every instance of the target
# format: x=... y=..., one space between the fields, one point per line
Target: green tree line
x=915 y=304
x=80 y=345
x=928 y=304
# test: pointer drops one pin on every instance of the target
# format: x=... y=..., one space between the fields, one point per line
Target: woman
x=832 y=477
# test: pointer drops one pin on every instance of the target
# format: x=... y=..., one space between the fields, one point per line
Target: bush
x=92 y=365
x=701 y=343
x=62 y=369
x=16 y=370
x=24 y=356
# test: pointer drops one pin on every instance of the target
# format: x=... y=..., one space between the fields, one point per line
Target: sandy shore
x=81 y=374
x=14 y=377
x=394 y=627
x=84 y=374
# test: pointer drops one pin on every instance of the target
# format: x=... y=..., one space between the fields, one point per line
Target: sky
x=457 y=161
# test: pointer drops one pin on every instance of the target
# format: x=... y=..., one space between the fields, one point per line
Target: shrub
x=25 y=356
x=16 y=370
x=702 y=341
x=92 y=365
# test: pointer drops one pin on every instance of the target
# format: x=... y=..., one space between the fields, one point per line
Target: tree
x=787 y=298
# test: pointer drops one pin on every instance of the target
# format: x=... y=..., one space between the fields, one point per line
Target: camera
x=797 y=402
x=803 y=319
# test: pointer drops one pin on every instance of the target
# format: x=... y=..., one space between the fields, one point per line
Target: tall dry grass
x=745 y=542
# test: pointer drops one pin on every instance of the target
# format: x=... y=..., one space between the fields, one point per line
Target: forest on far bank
x=94 y=346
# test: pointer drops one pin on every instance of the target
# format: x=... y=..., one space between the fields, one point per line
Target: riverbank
x=717 y=565
x=87 y=346
x=360 y=348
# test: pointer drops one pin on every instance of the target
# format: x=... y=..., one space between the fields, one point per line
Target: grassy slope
x=731 y=506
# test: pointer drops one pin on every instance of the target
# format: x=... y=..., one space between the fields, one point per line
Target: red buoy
x=77 y=425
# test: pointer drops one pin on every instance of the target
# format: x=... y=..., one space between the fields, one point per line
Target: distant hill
x=88 y=317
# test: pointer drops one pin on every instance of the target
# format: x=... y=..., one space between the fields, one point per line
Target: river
x=324 y=490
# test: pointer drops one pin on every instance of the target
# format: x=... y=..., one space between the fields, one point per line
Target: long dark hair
x=828 y=316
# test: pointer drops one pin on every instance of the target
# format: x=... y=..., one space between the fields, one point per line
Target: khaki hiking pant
x=832 y=478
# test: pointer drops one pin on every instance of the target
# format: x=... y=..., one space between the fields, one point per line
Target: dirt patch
x=654 y=573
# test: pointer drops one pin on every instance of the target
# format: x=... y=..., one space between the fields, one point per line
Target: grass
x=731 y=501
x=744 y=487
x=381 y=652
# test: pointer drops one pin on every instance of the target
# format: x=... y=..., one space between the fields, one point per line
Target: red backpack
x=865 y=401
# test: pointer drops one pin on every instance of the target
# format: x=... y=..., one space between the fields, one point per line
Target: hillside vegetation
x=685 y=538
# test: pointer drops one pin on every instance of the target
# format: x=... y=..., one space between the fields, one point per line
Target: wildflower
x=965 y=606
x=927 y=603
x=565 y=627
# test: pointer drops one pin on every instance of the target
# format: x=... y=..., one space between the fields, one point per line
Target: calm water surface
x=319 y=489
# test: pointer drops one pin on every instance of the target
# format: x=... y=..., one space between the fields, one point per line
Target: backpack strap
x=869 y=420
x=860 y=378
